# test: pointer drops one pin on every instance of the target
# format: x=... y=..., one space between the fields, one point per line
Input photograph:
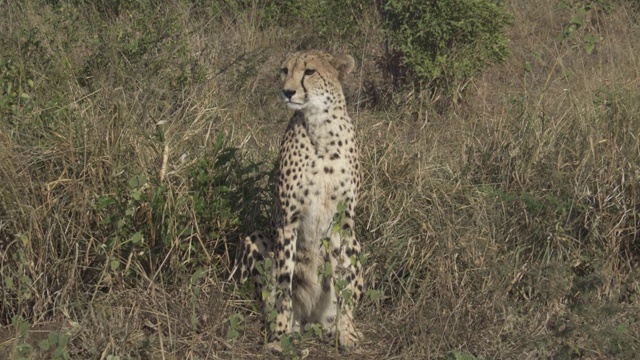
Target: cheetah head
x=312 y=79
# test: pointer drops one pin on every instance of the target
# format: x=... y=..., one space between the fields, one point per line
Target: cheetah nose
x=288 y=93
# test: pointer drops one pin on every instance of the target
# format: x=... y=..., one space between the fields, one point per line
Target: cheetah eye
x=284 y=71
x=309 y=72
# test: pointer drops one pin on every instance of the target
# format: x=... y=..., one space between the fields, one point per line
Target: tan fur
x=319 y=169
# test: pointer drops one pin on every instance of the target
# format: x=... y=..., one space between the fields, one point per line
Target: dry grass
x=505 y=227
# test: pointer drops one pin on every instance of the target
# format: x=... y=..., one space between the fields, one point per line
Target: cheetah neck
x=327 y=128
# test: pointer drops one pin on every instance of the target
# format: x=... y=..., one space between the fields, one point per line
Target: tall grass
x=137 y=142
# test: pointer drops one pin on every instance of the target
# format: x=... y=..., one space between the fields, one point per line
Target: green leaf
x=53 y=337
x=24 y=279
x=576 y=20
x=197 y=275
x=268 y=263
x=326 y=269
x=194 y=321
x=8 y=282
x=225 y=157
x=137 y=181
x=272 y=315
x=589 y=43
x=21 y=325
x=137 y=238
x=25 y=238
x=25 y=350
x=218 y=144
x=44 y=345
x=136 y=195
x=232 y=333
x=59 y=353
x=346 y=294
x=622 y=328
x=234 y=320
x=105 y=201
x=260 y=266
x=114 y=264
x=285 y=343
x=63 y=339
x=313 y=329
x=374 y=295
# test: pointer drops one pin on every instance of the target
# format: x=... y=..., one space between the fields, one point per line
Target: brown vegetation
x=136 y=144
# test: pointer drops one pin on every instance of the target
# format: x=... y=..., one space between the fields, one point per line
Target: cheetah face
x=312 y=79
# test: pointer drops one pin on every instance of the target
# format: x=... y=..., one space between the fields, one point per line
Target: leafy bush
x=444 y=43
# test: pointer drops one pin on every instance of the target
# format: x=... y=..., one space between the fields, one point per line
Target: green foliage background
x=445 y=43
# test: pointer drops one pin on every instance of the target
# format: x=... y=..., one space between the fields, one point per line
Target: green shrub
x=443 y=44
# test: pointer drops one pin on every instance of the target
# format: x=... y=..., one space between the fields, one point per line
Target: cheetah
x=316 y=275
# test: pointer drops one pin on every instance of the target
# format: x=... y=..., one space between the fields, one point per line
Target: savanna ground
x=137 y=140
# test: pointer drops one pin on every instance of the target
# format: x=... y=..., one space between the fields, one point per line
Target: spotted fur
x=319 y=169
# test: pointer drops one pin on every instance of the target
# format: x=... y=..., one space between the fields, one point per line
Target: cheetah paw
x=273 y=347
x=348 y=340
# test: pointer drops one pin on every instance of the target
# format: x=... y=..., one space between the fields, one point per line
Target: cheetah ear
x=344 y=64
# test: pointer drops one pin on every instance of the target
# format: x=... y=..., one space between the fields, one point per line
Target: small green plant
x=18 y=284
x=14 y=91
x=265 y=270
x=23 y=350
x=312 y=330
x=584 y=14
x=291 y=345
x=234 y=327
x=443 y=44
x=195 y=292
x=120 y=212
x=374 y=295
x=459 y=355
x=287 y=345
x=56 y=343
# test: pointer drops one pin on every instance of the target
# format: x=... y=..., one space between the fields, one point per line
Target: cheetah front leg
x=349 y=293
x=347 y=285
x=282 y=303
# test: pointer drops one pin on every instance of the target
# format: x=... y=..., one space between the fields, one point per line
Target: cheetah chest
x=326 y=182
